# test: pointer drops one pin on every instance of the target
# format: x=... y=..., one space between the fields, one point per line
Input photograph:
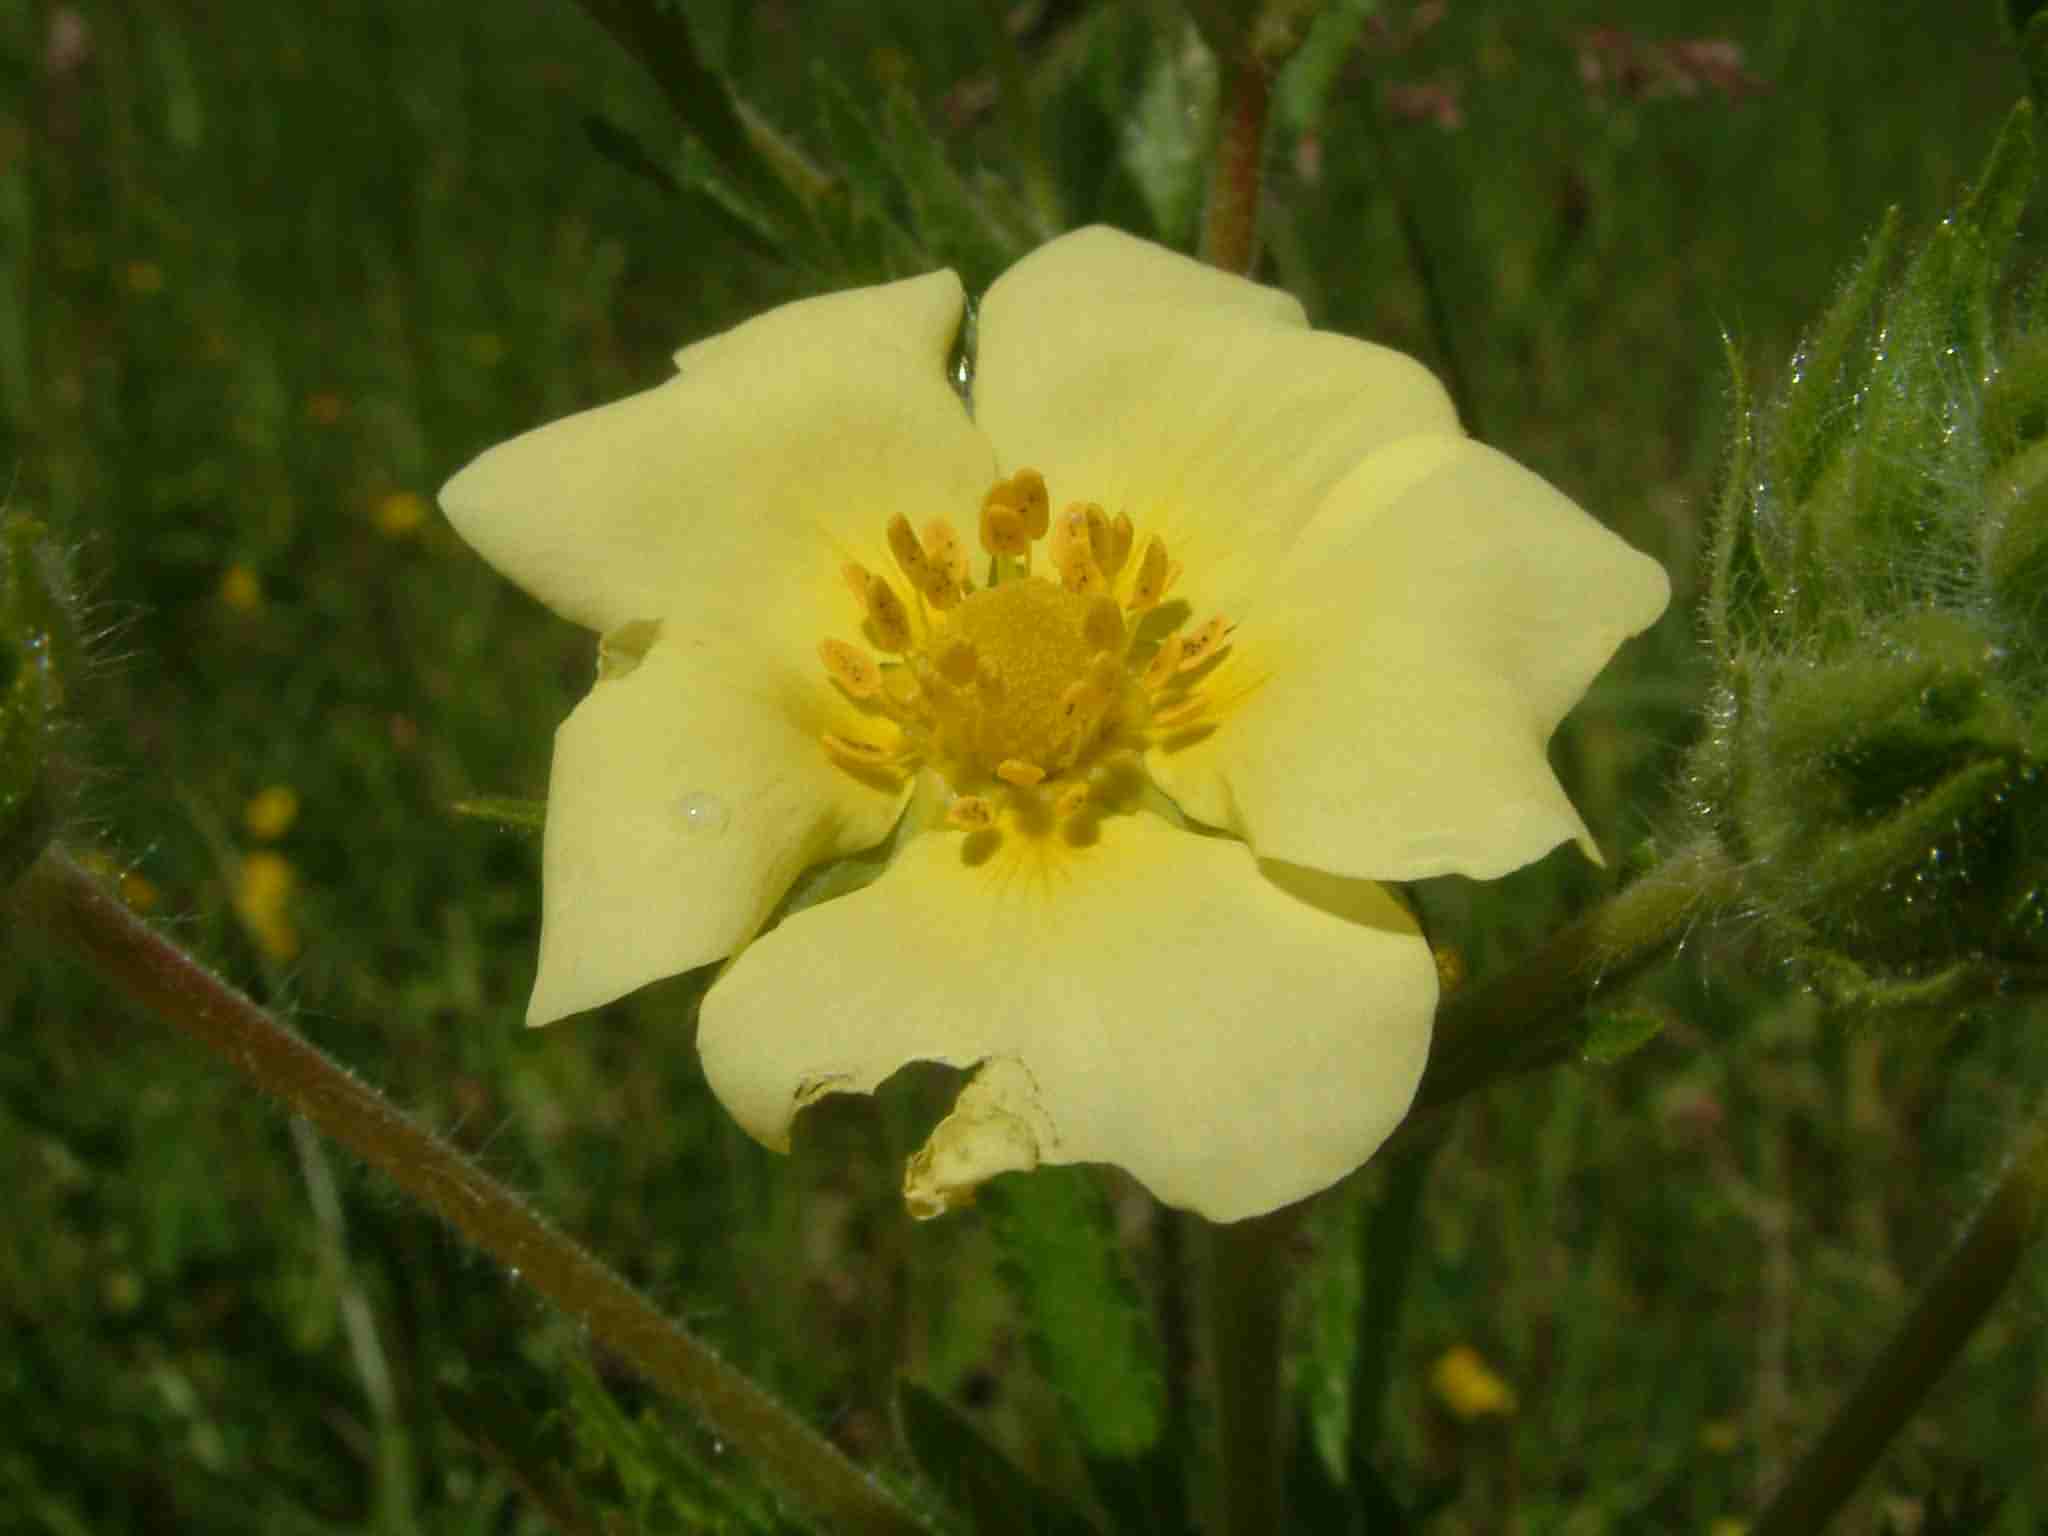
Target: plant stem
x=1960 y=1296
x=1250 y=1270
x=1020 y=121
x=64 y=901
x=1529 y=1015
x=1231 y=221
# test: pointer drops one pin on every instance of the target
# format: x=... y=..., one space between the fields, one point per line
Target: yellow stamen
x=1186 y=712
x=971 y=813
x=1028 y=495
x=865 y=754
x=888 y=620
x=1002 y=525
x=1150 y=586
x=1121 y=533
x=1073 y=551
x=1025 y=689
x=852 y=668
x=943 y=546
x=1205 y=643
x=1165 y=662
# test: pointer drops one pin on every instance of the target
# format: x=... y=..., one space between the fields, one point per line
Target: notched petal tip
x=997 y=1126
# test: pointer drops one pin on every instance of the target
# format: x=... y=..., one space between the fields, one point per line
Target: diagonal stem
x=1962 y=1293
x=1230 y=223
x=61 y=899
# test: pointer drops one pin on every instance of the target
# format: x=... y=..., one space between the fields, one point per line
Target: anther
x=1148 y=589
x=1002 y=525
x=971 y=813
x=1165 y=662
x=919 y=568
x=1028 y=495
x=942 y=546
x=910 y=556
x=1073 y=551
x=852 y=668
x=1101 y=541
x=888 y=619
x=1120 y=535
x=1205 y=643
x=1014 y=770
x=1071 y=800
x=866 y=754
x=1186 y=712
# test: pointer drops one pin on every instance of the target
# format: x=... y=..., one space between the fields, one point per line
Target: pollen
x=1019 y=695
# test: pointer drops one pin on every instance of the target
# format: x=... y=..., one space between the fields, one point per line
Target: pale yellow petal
x=1405 y=672
x=1196 y=402
x=1237 y=1036
x=740 y=487
x=689 y=790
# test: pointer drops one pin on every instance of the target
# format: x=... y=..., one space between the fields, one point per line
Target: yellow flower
x=1469 y=1387
x=241 y=589
x=264 y=886
x=399 y=513
x=1197 y=624
x=271 y=812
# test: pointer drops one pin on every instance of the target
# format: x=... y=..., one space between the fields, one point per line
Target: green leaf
x=1740 y=588
x=753 y=158
x=1164 y=139
x=1613 y=1034
x=1815 y=411
x=974 y=1477
x=1091 y=1337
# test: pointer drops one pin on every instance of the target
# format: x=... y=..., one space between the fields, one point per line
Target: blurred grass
x=269 y=273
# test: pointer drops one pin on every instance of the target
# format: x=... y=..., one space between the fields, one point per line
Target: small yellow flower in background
x=1728 y=1526
x=241 y=589
x=1196 y=625
x=1721 y=1436
x=144 y=277
x=271 y=812
x=1467 y=1386
x=325 y=408
x=264 y=885
x=400 y=513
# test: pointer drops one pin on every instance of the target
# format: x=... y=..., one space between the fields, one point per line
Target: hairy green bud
x=1877 y=753
x=38 y=650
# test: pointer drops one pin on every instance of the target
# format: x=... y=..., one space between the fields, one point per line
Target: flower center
x=1049 y=667
x=1022 y=693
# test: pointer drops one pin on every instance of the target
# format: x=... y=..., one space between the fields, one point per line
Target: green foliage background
x=266 y=266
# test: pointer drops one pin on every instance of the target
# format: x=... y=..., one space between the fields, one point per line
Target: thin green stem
x=1020 y=120
x=1389 y=1243
x=65 y=902
x=1958 y=1298
x=1230 y=224
x=1530 y=1014
x=746 y=144
x=1250 y=1267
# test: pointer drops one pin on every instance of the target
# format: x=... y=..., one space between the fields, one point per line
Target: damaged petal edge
x=997 y=1126
x=622 y=649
